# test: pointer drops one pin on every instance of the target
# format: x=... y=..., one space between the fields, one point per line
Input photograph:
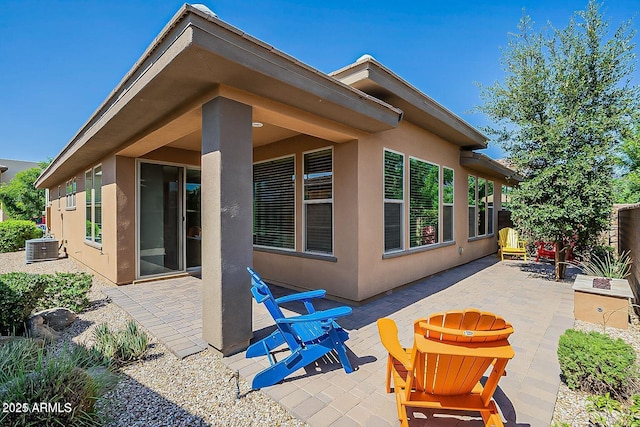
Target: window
x=472 y=197
x=93 y=198
x=489 y=207
x=71 y=194
x=318 y=201
x=424 y=197
x=393 y=200
x=274 y=203
x=59 y=195
x=506 y=198
x=447 y=204
x=480 y=206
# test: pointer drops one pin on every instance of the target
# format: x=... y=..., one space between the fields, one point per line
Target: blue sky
x=61 y=59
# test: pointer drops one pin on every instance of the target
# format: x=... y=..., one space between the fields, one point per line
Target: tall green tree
x=627 y=185
x=20 y=198
x=565 y=103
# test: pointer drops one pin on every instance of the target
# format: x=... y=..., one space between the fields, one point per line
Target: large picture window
x=274 y=203
x=393 y=200
x=318 y=201
x=424 y=196
x=93 y=199
x=447 y=204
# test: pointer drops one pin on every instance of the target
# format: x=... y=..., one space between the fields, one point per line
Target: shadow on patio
x=324 y=395
x=539 y=309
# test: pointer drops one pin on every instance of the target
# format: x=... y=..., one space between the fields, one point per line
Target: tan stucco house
x=217 y=151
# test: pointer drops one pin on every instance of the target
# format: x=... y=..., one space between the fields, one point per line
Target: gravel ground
x=162 y=390
x=571 y=405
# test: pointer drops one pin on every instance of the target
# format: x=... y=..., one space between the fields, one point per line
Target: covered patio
x=523 y=293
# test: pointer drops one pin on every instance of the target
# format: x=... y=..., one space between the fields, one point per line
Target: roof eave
x=418 y=107
x=486 y=165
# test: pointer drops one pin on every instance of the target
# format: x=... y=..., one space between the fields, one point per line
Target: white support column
x=227 y=212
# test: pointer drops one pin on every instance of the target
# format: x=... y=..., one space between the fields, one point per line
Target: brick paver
x=169 y=309
x=539 y=308
x=523 y=293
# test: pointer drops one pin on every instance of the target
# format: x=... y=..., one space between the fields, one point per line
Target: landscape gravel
x=571 y=406
x=161 y=390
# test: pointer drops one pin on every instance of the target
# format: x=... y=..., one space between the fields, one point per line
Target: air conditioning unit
x=41 y=250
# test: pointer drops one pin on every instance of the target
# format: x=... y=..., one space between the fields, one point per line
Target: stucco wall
x=361 y=270
x=69 y=225
x=337 y=274
x=377 y=275
x=629 y=240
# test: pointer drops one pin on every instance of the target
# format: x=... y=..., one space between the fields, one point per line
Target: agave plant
x=609 y=265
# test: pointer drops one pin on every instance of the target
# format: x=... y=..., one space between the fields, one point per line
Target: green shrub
x=121 y=346
x=597 y=363
x=19 y=295
x=68 y=382
x=13 y=234
x=67 y=290
x=605 y=411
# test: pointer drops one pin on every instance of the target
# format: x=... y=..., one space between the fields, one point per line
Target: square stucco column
x=227 y=211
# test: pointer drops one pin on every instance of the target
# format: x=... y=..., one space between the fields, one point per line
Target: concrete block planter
x=602 y=306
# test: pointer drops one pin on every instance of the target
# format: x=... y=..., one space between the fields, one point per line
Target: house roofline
x=425 y=104
x=485 y=164
x=349 y=96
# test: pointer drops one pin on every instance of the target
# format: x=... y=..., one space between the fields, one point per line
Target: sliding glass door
x=160 y=219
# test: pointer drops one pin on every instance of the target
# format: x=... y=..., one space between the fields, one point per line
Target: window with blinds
x=318 y=201
x=447 y=204
x=424 y=195
x=473 y=224
x=393 y=200
x=274 y=203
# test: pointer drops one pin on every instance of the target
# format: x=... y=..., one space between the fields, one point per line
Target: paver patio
x=323 y=395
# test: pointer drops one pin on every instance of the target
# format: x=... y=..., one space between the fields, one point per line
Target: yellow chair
x=510 y=244
x=450 y=354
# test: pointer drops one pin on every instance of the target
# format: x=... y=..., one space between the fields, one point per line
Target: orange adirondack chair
x=510 y=244
x=450 y=354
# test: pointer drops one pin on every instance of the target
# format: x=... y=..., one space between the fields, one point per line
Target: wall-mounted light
x=257 y=124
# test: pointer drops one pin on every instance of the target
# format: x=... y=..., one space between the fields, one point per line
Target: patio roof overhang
x=487 y=166
x=197 y=57
x=372 y=77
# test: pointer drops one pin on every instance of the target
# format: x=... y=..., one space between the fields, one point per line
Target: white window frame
x=295 y=203
x=475 y=206
x=438 y=200
x=92 y=240
x=452 y=204
x=70 y=196
x=401 y=202
x=305 y=203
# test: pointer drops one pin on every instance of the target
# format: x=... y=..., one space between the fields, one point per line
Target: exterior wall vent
x=41 y=250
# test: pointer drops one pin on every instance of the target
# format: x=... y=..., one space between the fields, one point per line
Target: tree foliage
x=565 y=104
x=20 y=198
x=627 y=186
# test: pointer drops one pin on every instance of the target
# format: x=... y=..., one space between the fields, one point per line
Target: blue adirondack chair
x=309 y=336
